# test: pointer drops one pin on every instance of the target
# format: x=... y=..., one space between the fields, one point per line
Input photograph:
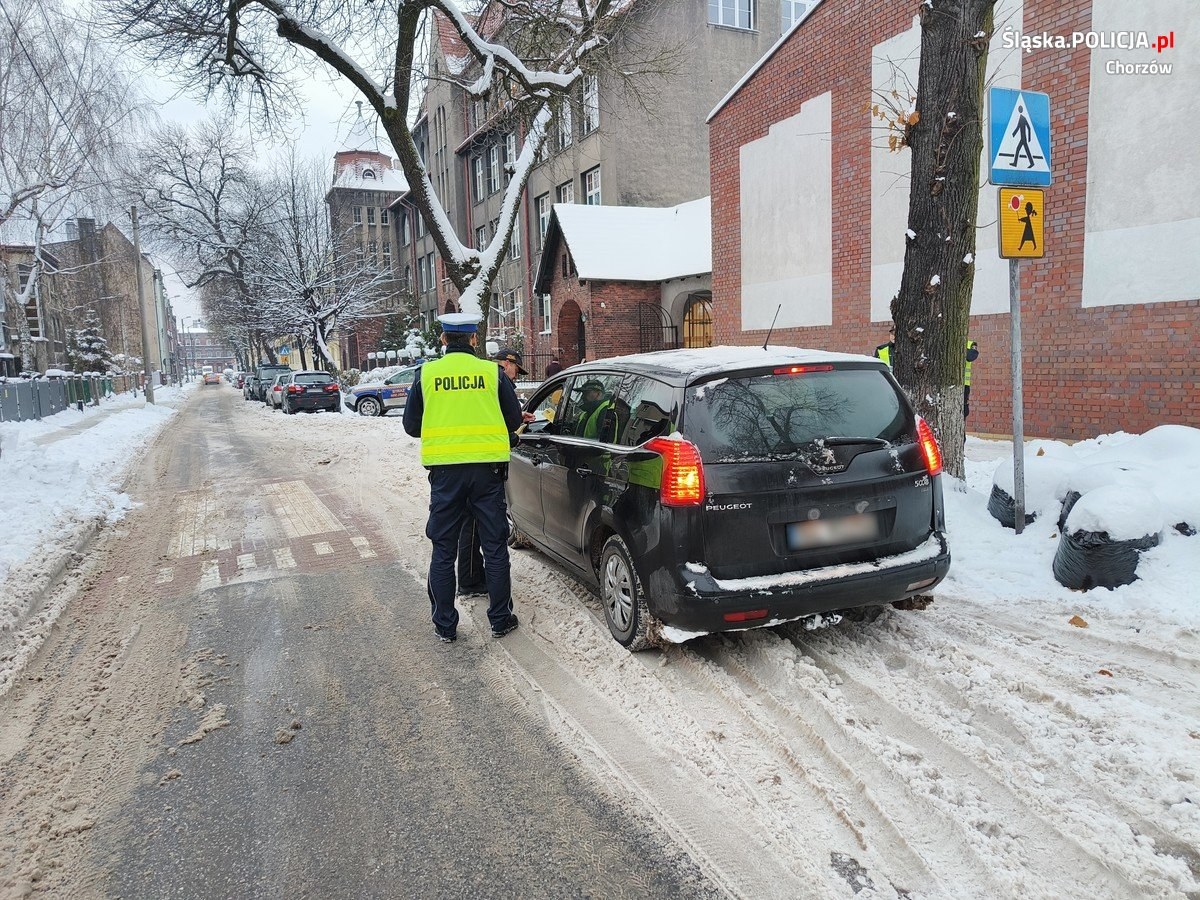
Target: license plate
x=315 y=390
x=825 y=532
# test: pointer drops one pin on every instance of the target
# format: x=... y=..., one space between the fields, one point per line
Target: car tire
x=517 y=539
x=622 y=597
x=369 y=406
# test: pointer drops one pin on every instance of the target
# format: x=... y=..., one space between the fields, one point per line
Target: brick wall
x=1085 y=371
x=610 y=308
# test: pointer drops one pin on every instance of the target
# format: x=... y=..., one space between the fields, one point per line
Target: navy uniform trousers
x=455 y=492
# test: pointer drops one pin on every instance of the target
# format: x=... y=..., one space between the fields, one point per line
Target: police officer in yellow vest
x=465 y=415
x=886 y=351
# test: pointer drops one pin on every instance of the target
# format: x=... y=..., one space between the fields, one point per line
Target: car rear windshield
x=313 y=378
x=771 y=416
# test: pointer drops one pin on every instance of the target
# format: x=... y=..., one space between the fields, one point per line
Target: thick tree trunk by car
x=932 y=309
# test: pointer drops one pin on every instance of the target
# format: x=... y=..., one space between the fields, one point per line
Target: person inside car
x=591 y=409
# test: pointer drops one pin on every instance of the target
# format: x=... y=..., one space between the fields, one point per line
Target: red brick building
x=615 y=280
x=809 y=209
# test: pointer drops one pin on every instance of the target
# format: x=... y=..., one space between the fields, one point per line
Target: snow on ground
x=1015 y=739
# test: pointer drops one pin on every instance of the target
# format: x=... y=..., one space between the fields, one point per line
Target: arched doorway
x=571 y=331
x=697 y=321
x=450 y=307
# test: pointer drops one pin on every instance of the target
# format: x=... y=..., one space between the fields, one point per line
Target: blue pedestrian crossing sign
x=1019 y=137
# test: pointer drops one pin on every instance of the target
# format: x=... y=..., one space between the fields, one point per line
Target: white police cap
x=462 y=322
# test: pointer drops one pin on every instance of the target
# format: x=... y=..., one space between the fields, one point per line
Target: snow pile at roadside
x=64 y=472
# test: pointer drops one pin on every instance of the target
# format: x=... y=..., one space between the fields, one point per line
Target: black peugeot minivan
x=730 y=487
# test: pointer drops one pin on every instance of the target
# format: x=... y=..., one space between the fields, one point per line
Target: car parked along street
x=730 y=488
x=311 y=391
x=380 y=397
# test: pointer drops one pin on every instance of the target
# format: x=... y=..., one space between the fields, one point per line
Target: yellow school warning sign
x=1022 y=214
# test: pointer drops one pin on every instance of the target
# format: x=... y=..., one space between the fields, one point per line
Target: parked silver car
x=273 y=395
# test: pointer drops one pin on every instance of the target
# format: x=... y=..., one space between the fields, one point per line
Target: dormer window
x=368 y=173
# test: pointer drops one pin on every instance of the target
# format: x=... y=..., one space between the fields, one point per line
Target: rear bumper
x=702 y=602
x=304 y=401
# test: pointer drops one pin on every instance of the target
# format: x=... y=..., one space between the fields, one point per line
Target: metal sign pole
x=1018 y=400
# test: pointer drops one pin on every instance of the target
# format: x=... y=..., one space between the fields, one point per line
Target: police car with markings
x=378 y=397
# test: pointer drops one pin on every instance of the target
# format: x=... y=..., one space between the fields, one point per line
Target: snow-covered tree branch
x=527 y=59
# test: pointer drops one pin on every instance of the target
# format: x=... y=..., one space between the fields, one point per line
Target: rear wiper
x=844 y=441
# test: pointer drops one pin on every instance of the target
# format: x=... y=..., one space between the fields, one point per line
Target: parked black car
x=311 y=391
x=264 y=377
x=730 y=488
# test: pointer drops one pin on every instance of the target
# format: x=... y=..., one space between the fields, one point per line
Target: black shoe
x=473 y=592
x=505 y=627
x=445 y=636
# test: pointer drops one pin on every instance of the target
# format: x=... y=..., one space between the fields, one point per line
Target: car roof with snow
x=685 y=366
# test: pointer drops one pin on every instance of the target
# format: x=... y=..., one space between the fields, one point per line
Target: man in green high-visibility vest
x=466 y=415
x=887 y=351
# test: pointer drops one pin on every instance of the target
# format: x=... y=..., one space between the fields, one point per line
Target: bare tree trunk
x=932 y=308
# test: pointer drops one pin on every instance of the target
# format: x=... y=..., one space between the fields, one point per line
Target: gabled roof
x=453 y=50
x=630 y=243
x=381 y=178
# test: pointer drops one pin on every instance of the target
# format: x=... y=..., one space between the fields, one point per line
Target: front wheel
x=517 y=540
x=369 y=406
x=625 y=608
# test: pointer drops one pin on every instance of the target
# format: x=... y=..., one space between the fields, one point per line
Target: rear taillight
x=682 y=474
x=929 y=447
x=277 y=388
x=331 y=389
x=295 y=389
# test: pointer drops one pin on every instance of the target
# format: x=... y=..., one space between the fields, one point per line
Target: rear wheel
x=625 y=608
x=369 y=406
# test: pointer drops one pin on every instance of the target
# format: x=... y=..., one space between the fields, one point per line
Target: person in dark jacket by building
x=465 y=414
x=553 y=367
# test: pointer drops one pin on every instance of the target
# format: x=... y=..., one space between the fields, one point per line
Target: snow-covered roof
x=633 y=243
x=454 y=51
x=762 y=62
x=364 y=176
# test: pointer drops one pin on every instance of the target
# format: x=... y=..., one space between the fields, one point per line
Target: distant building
x=365 y=186
x=606 y=151
x=199 y=347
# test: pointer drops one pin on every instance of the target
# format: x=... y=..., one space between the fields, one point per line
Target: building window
x=542 y=204
x=510 y=153
x=405 y=236
x=566 y=192
x=591 y=104
x=732 y=13
x=432 y=271
x=370 y=215
x=358 y=215
x=493 y=172
x=387 y=253
x=420 y=224
x=372 y=247
x=545 y=313
x=477 y=175
x=494 y=313
x=591 y=187
x=564 y=132
x=480 y=237
x=514 y=245
x=383 y=217
x=793 y=11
